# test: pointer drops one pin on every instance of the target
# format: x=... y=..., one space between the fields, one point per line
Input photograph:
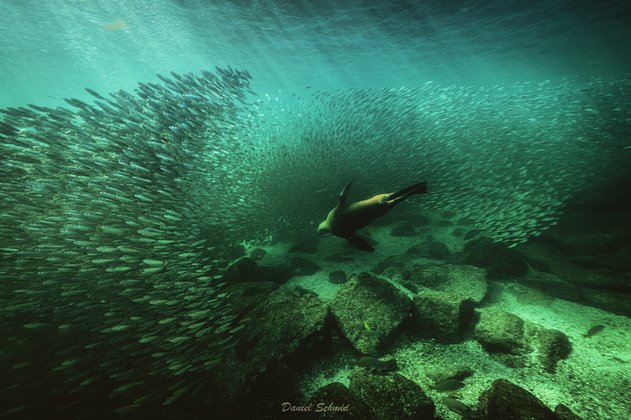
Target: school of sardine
x=110 y=247
x=117 y=213
x=508 y=157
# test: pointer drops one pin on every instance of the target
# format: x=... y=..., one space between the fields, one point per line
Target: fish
x=593 y=331
x=374 y=364
x=458 y=407
x=111 y=253
x=111 y=248
x=447 y=385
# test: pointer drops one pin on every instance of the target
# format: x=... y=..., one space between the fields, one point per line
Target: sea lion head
x=324 y=228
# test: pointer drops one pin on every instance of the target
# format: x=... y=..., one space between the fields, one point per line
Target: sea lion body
x=355 y=216
x=344 y=220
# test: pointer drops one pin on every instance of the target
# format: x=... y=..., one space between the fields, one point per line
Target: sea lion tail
x=397 y=197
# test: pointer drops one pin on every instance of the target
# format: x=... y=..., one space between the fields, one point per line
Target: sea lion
x=344 y=220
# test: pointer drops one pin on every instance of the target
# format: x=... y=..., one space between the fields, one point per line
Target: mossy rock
x=392 y=396
x=500 y=332
x=430 y=249
x=335 y=401
x=442 y=315
x=337 y=277
x=464 y=280
x=368 y=310
x=499 y=261
x=505 y=400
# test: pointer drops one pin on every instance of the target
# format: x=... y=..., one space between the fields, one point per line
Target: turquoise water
x=165 y=165
x=52 y=50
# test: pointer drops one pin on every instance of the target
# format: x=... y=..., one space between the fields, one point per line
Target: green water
x=146 y=146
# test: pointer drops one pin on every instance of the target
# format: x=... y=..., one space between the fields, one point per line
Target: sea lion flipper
x=399 y=196
x=341 y=203
x=360 y=243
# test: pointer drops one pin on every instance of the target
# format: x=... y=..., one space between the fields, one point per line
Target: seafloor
x=537 y=331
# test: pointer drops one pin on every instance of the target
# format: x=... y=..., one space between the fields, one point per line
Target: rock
x=335 y=401
x=617 y=262
x=392 y=396
x=233 y=252
x=601 y=288
x=500 y=332
x=516 y=342
x=553 y=346
x=303 y=267
x=288 y=327
x=615 y=302
x=403 y=230
x=366 y=236
x=442 y=315
x=291 y=318
x=505 y=400
x=258 y=254
x=457 y=232
x=368 y=310
x=246 y=270
x=564 y=413
x=243 y=297
x=447 y=214
x=418 y=220
x=464 y=280
x=456 y=372
x=507 y=266
x=471 y=234
x=338 y=258
x=500 y=261
x=465 y=221
x=306 y=247
x=430 y=249
x=337 y=277
x=394 y=263
x=444 y=223
x=552 y=285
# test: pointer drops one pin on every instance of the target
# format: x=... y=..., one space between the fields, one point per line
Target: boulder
x=246 y=270
x=456 y=372
x=516 y=342
x=392 y=396
x=287 y=328
x=464 y=280
x=458 y=232
x=465 y=221
x=305 y=247
x=499 y=261
x=403 y=230
x=552 y=285
x=430 y=249
x=257 y=254
x=368 y=310
x=471 y=234
x=564 y=413
x=337 y=277
x=553 y=346
x=339 y=258
x=500 y=332
x=599 y=287
x=335 y=401
x=303 y=267
x=442 y=315
x=418 y=220
x=505 y=400
x=392 y=263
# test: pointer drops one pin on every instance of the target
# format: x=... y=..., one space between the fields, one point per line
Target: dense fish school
x=118 y=215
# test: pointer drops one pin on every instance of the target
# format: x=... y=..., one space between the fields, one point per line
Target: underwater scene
x=359 y=209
